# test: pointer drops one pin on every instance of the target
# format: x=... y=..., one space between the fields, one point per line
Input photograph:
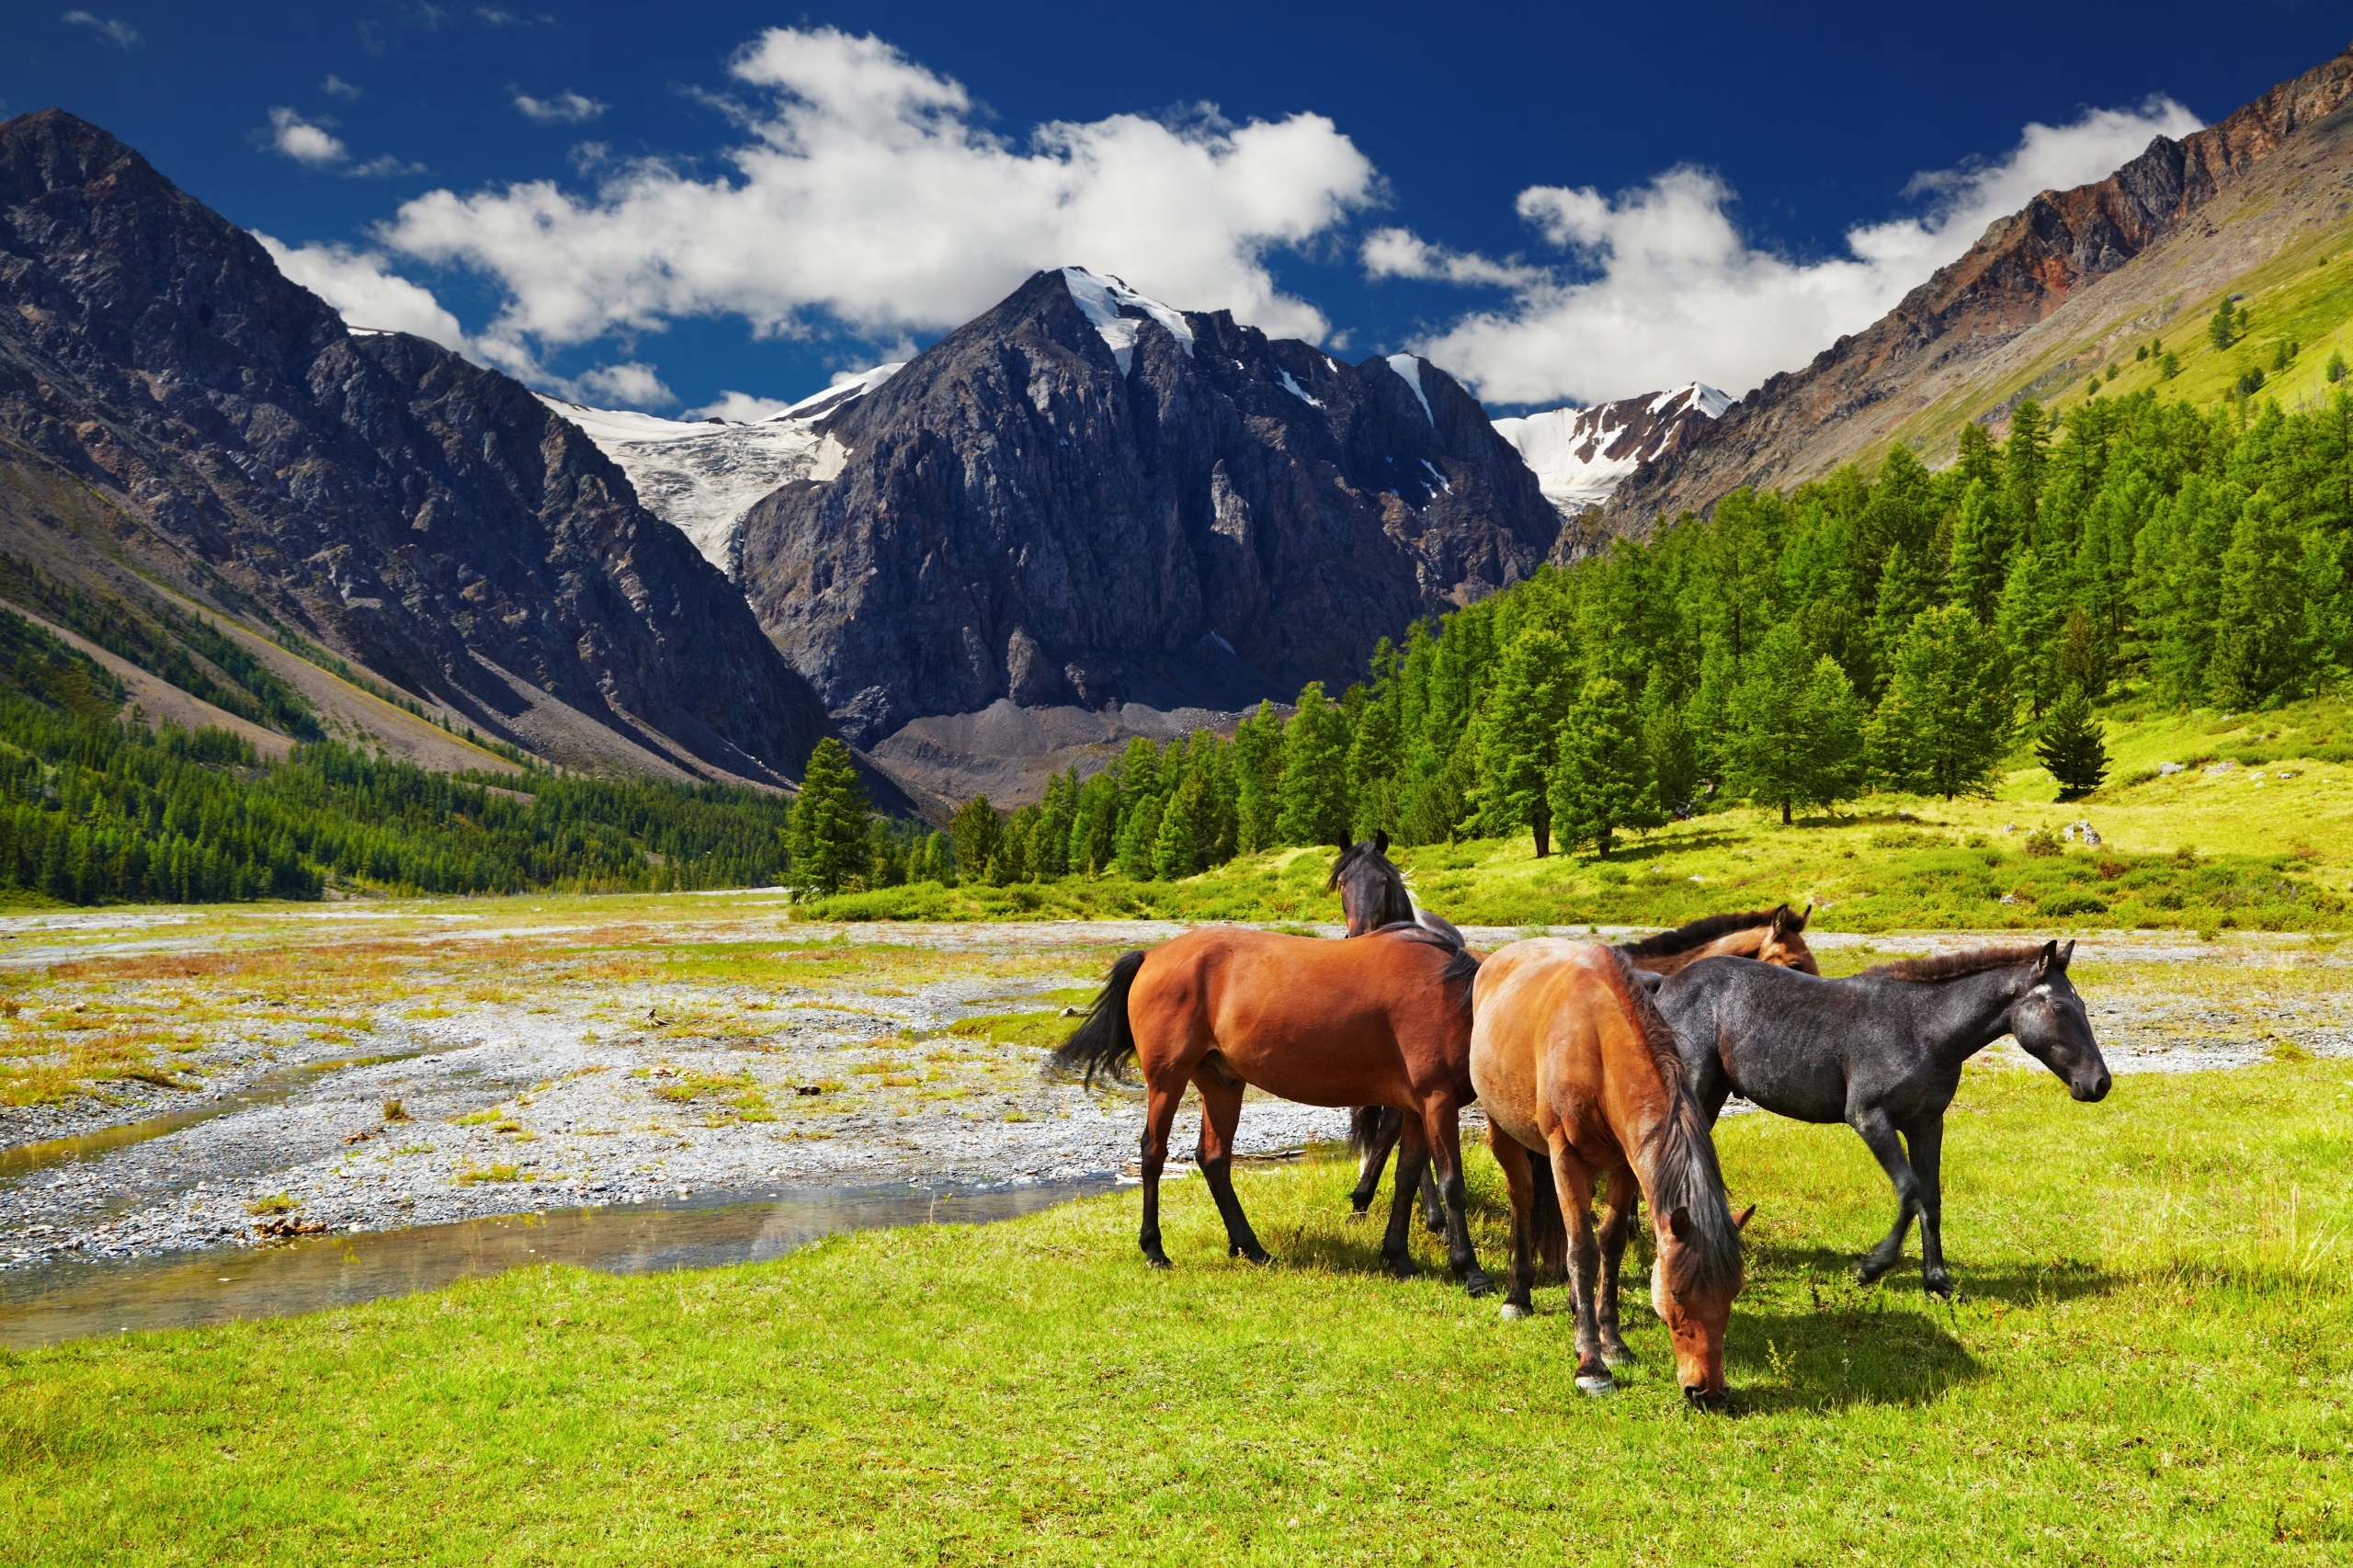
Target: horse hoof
x=1405 y=1268
x=1155 y=1263
x=1939 y=1286
x=1513 y=1312
x=1594 y=1387
x=1256 y=1255
x=1617 y=1356
x=1869 y=1271
x=1478 y=1284
x=1356 y=1217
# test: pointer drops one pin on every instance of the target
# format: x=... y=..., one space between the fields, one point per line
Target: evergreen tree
x=1314 y=789
x=2223 y=328
x=1519 y=733
x=2033 y=609
x=828 y=831
x=1796 y=728
x=978 y=837
x=1980 y=550
x=2265 y=646
x=1669 y=754
x=1095 y=824
x=2072 y=746
x=1177 y=849
x=1139 y=838
x=1943 y=725
x=1599 y=784
x=1258 y=780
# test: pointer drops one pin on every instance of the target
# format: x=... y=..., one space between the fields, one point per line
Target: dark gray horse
x=1882 y=1052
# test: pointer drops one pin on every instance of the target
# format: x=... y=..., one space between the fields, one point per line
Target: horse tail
x=1364 y=1129
x=1104 y=1042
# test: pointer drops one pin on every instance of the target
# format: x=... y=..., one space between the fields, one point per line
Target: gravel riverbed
x=343 y=1072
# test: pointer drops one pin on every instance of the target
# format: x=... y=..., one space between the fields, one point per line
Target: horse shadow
x=1832 y=1274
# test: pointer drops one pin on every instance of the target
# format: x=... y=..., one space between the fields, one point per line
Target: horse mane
x=1461 y=965
x=1684 y=1173
x=1698 y=934
x=1954 y=966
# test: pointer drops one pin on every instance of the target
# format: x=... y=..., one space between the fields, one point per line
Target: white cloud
x=113 y=29
x=336 y=86
x=1658 y=286
x=570 y=109
x=742 y=407
x=363 y=293
x=631 y=385
x=308 y=143
x=867 y=195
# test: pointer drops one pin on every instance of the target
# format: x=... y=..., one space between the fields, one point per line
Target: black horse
x=1882 y=1052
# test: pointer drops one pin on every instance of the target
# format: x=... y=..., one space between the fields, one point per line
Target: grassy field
x=2148 y=1362
x=2263 y=842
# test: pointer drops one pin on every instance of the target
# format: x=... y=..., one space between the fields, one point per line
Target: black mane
x=1699 y=933
x=1954 y=966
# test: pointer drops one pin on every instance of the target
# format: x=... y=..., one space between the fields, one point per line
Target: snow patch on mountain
x=701 y=476
x=1409 y=371
x=1104 y=298
x=1580 y=455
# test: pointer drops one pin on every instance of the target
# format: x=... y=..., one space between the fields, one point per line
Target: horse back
x=1559 y=1050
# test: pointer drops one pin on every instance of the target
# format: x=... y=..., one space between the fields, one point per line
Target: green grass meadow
x=2147 y=1363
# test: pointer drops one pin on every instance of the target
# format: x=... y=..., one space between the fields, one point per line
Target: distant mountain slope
x=701 y=476
x=220 y=434
x=2045 y=295
x=1085 y=498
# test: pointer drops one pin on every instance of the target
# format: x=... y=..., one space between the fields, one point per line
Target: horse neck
x=1961 y=1018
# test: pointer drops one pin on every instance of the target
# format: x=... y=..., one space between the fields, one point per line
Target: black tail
x=1364 y=1128
x=1104 y=1043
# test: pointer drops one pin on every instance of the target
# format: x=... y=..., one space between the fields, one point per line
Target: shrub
x=2042 y=841
x=2060 y=905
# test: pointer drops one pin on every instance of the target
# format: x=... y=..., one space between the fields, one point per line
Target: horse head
x=1372 y=892
x=1692 y=1289
x=2050 y=1025
x=1783 y=942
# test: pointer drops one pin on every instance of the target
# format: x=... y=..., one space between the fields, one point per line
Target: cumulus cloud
x=868 y=195
x=1656 y=286
x=742 y=407
x=568 y=109
x=633 y=385
x=336 y=86
x=355 y=283
x=308 y=143
x=113 y=29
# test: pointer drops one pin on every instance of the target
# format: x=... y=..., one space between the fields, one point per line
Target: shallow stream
x=69 y=1300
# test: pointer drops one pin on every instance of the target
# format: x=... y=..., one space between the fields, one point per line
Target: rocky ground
x=317 y=1071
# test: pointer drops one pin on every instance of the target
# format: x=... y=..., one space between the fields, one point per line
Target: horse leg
x=1519 y=1180
x=1925 y=1139
x=1879 y=1135
x=1412 y=1153
x=1160 y=1115
x=1221 y=1113
x=1617 y=1223
x=1433 y=1202
x=1551 y=1232
x=1445 y=1134
x=1575 y=1184
x=1392 y=1122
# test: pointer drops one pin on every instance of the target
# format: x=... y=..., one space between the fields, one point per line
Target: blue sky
x=658 y=205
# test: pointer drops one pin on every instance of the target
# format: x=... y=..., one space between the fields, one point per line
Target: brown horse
x=1770 y=936
x=1570 y=1057
x=1385 y=1021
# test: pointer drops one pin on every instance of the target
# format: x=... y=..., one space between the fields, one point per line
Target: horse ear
x=1745 y=1215
x=1807 y=917
x=1380 y=841
x=2049 y=961
x=2066 y=954
x=1679 y=1223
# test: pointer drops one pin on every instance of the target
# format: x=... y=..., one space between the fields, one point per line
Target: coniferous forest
x=1900 y=631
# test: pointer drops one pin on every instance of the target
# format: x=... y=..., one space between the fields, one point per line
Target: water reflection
x=67 y=1300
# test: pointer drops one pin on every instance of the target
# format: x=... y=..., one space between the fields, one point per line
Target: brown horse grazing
x=1385 y=1021
x=1769 y=936
x=1571 y=1057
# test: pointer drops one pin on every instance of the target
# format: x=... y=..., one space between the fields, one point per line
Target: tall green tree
x=1520 y=734
x=1945 y=721
x=1796 y=728
x=1314 y=789
x=978 y=834
x=1600 y=785
x=2266 y=636
x=2072 y=745
x=828 y=831
x=1258 y=780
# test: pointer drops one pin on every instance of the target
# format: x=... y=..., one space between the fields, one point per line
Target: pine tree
x=1178 y=851
x=2028 y=625
x=978 y=835
x=1520 y=732
x=1599 y=784
x=828 y=825
x=2222 y=328
x=1796 y=728
x=1945 y=720
x=1258 y=780
x=1669 y=751
x=2265 y=649
x=1314 y=789
x=2072 y=746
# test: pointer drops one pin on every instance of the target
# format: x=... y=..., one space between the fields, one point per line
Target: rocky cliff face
x=1084 y=499
x=427 y=519
x=1581 y=455
x=1963 y=328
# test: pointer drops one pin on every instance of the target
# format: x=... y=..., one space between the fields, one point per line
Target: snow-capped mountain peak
x=1105 y=298
x=1580 y=455
x=1409 y=371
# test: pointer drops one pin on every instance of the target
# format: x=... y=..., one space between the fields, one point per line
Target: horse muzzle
x=1699 y=1398
x=2091 y=1091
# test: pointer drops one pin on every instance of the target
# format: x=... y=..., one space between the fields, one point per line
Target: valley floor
x=339 y=1068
